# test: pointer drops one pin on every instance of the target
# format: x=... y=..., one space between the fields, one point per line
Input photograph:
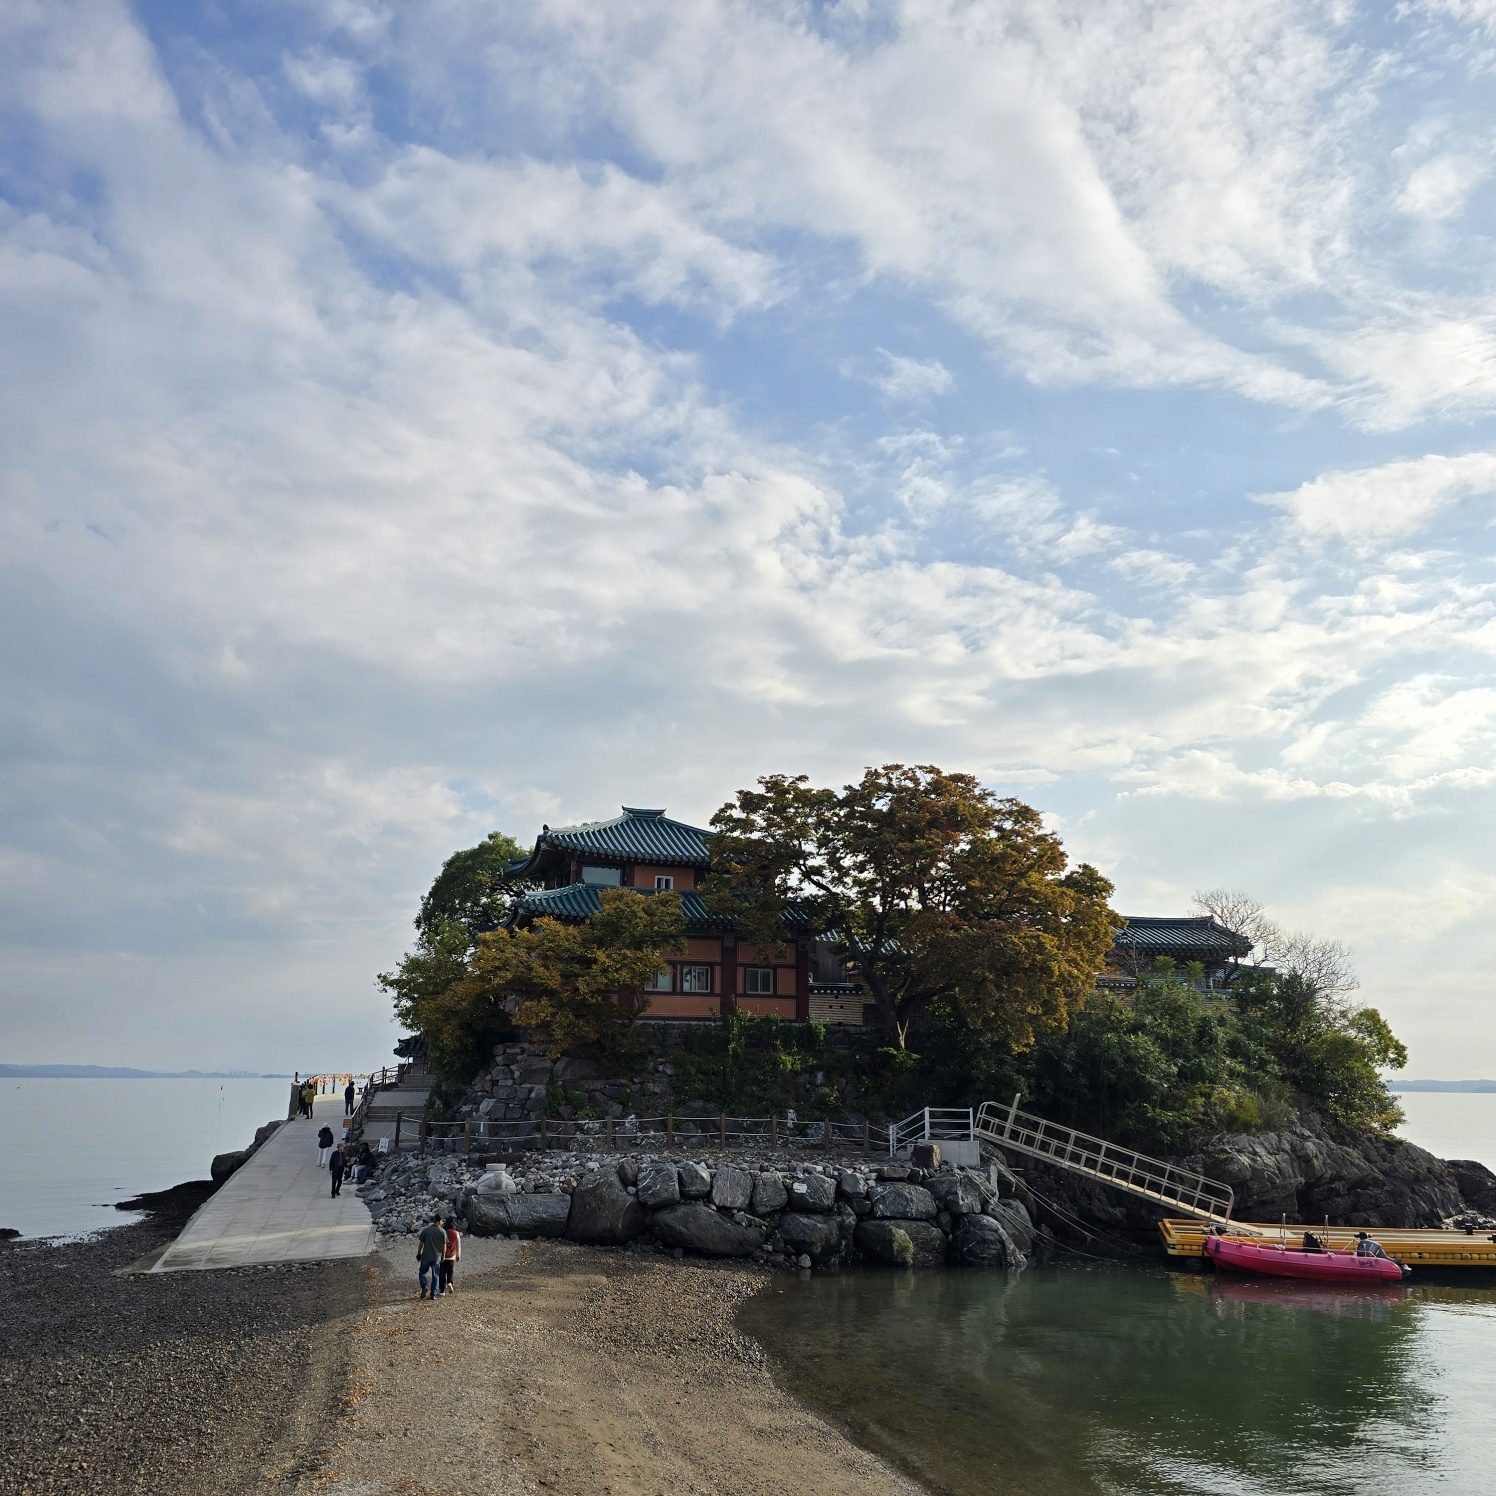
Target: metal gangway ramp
x=1181 y=1190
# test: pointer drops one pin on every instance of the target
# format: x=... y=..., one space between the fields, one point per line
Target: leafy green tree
x=563 y=980
x=936 y=890
x=470 y=889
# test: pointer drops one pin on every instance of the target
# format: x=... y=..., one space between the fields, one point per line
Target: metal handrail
x=1123 y=1168
x=945 y=1123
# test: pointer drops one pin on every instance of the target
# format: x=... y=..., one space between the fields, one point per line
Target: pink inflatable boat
x=1293 y=1262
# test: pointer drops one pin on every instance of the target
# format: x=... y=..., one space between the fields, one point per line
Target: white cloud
x=911 y=379
x=1370 y=506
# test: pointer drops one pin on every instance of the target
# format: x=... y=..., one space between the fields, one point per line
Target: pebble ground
x=199 y=1382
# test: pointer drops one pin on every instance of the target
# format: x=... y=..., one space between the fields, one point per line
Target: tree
x=935 y=890
x=470 y=888
x=564 y=980
x=1324 y=965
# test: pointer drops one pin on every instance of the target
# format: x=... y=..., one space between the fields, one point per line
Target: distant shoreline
x=125 y=1072
x=1472 y=1086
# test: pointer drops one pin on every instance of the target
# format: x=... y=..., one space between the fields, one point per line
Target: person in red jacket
x=450 y=1255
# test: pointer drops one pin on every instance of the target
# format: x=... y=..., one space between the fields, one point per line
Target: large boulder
x=906 y=1243
x=925 y=1156
x=851 y=1186
x=658 y=1186
x=769 y=1194
x=818 y=1236
x=903 y=1202
x=699 y=1228
x=518 y=1215
x=956 y=1193
x=224 y=1164
x=1477 y=1184
x=732 y=1189
x=813 y=1192
x=981 y=1241
x=1014 y=1219
x=603 y=1211
x=695 y=1181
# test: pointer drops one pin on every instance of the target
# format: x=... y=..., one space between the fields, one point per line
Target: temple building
x=720 y=972
x=800 y=979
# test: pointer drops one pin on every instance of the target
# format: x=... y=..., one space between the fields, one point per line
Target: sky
x=418 y=420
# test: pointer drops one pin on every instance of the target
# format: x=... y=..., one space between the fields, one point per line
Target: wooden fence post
x=544 y=1144
x=399 y=1118
x=867 y=1136
x=467 y=1135
x=722 y=1131
x=670 y=1129
x=773 y=1129
x=424 y=1131
x=610 y=1134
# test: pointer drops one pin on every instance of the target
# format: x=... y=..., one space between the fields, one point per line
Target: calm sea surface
x=1132 y=1381
x=1452 y=1124
x=70 y=1148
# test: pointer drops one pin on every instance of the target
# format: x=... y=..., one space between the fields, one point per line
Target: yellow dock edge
x=1186 y=1238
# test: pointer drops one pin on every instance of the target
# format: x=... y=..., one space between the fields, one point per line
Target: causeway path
x=277 y=1207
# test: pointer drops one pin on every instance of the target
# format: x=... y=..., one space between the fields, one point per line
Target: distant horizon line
x=1442 y=1085
x=129 y=1072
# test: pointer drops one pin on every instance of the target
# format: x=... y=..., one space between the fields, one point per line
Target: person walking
x=431 y=1244
x=336 y=1166
x=450 y=1255
x=349 y=1092
x=324 y=1146
x=308 y=1096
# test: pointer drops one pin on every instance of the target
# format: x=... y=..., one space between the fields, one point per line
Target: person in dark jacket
x=431 y=1246
x=336 y=1164
x=349 y=1092
x=324 y=1146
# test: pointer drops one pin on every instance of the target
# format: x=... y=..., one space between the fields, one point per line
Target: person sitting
x=1366 y=1247
x=1312 y=1243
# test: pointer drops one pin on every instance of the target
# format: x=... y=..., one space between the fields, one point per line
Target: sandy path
x=578 y=1371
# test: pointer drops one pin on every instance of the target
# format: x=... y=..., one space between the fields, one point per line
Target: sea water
x=1452 y=1124
x=69 y=1149
x=1087 y=1378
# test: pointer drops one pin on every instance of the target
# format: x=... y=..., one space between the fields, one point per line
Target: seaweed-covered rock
x=901 y=1243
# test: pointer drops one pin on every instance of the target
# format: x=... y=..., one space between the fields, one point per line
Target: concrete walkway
x=277 y=1208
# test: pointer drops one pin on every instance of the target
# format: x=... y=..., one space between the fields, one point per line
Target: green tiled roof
x=1156 y=935
x=635 y=836
x=582 y=901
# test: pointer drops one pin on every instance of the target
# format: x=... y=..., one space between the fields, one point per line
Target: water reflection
x=1118 y=1380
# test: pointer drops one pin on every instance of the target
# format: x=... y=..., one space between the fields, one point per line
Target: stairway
x=376 y=1117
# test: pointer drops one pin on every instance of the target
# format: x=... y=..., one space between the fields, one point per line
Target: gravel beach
x=553 y=1368
x=183 y=1382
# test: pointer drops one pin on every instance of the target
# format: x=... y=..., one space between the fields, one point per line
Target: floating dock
x=1186 y=1238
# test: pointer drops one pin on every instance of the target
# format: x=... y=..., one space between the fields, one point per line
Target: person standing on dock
x=431 y=1247
x=349 y=1092
x=324 y=1146
x=336 y=1165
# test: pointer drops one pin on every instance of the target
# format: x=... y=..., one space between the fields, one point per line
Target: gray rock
x=901 y=1243
x=732 y=1189
x=658 y=1186
x=224 y=1164
x=518 y=1215
x=602 y=1210
x=699 y=1228
x=1014 y=1219
x=814 y=1192
x=769 y=1194
x=851 y=1186
x=695 y=1181
x=982 y=1242
x=925 y=1156
x=628 y=1171
x=957 y=1193
x=903 y=1202
x=817 y=1235
x=1477 y=1184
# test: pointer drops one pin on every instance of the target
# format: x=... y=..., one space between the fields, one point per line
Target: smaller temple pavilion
x=647 y=851
x=1139 y=945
